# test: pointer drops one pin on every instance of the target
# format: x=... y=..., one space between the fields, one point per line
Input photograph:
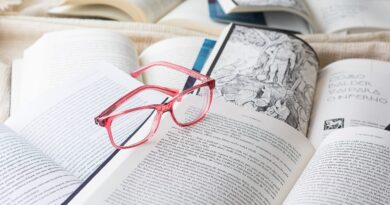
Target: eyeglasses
x=187 y=108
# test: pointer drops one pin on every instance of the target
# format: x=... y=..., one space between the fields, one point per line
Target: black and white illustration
x=267 y=71
x=334 y=124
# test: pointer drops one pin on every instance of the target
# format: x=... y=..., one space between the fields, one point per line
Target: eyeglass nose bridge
x=166 y=107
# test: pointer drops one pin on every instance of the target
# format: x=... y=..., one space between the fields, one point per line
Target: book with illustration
x=52 y=147
x=281 y=130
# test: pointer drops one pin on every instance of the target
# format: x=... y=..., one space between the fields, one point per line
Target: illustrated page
x=349 y=93
x=265 y=71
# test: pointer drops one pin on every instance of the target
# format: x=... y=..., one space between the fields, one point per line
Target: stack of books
x=280 y=130
x=211 y=16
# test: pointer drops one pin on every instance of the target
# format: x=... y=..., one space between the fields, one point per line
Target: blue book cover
x=217 y=14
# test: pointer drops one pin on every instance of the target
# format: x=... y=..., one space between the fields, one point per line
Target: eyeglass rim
x=105 y=117
x=102 y=117
x=155 y=125
x=204 y=112
x=137 y=72
x=160 y=109
x=99 y=120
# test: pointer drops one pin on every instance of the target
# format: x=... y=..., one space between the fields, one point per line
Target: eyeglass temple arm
x=99 y=119
x=176 y=67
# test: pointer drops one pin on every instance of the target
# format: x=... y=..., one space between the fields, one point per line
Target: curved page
x=194 y=15
x=139 y=10
x=297 y=7
x=28 y=176
x=351 y=166
x=349 y=93
x=234 y=156
x=350 y=16
x=65 y=56
x=61 y=123
x=184 y=51
x=265 y=71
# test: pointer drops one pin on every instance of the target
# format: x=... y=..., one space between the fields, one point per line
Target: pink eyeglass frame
x=105 y=118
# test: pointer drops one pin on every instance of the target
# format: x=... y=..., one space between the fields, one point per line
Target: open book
x=255 y=148
x=138 y=10
x=190 y=14
x=50 y=143
x=324 y=16
x=196 y=15
x=276 y=74
x=259 y=147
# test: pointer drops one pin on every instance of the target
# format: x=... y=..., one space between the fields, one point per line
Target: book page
x=91 y=11
x=351 y=166
x=64 y=56
x=194 y=15
x=350 y=15
x=297 y=7
x=287 y=21
x=184 y=51
x=28 y=176
x=140 y=10
x=61 y=123
x=16 y=74
x=243 y=157
x=154 y=9
x=274 y=19
x=265 y=71
x=349 y=93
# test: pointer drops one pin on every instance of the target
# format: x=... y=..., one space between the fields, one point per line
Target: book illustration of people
x=269 y=72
